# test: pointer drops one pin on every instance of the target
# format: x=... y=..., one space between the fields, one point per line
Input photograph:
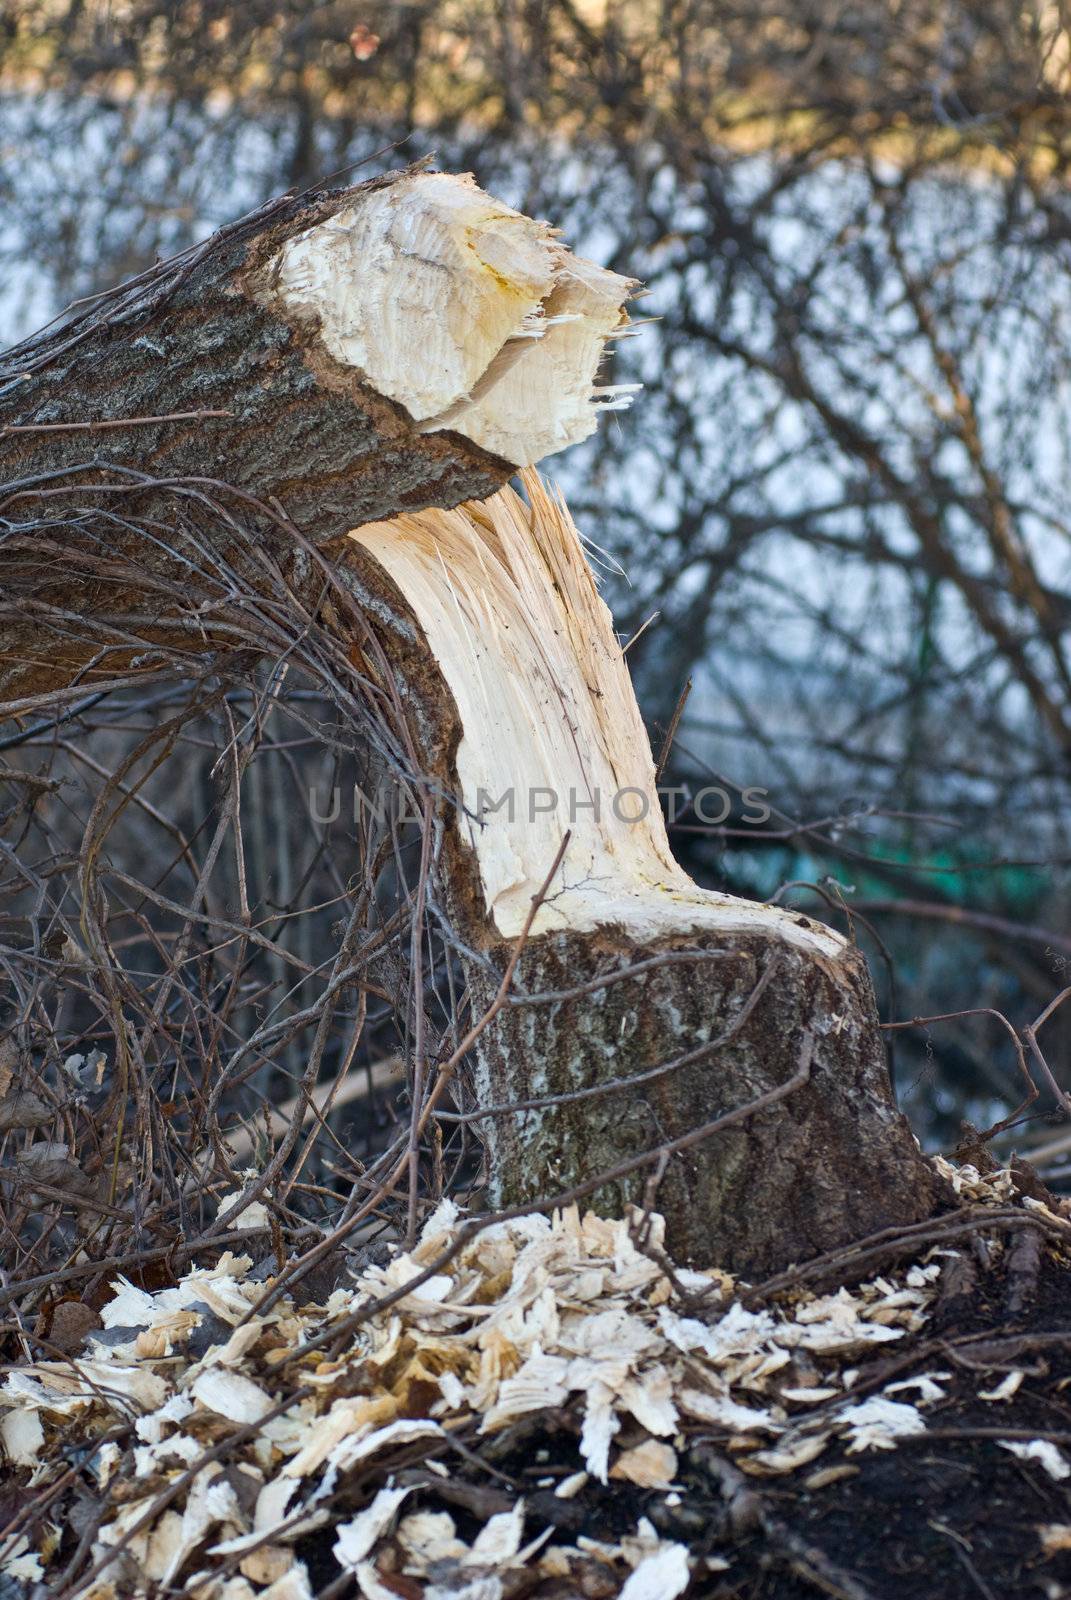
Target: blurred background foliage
x=842 y=496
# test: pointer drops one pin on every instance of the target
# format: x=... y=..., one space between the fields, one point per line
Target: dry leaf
x=24 y=1109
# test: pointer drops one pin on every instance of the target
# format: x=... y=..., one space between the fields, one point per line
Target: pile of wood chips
x=213 y=1450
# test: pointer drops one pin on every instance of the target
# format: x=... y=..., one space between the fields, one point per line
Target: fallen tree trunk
x=328 y=360
x=385 y=354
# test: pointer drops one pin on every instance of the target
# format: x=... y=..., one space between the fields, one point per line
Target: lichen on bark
x=831 y=1162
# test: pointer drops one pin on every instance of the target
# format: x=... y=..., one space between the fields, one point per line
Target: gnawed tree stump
x=388 y=353
x=520 y=694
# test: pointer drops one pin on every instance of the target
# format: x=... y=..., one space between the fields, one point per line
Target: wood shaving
x=531 y=1320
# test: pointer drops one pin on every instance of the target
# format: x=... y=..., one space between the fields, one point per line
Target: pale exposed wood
x=517 y=684
x=472 y=316
x=552 y=736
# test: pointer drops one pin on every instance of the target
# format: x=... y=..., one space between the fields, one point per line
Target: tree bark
x=723 y=1024
x=230 y=385
x=380 y=356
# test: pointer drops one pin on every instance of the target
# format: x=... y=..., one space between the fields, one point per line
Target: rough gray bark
x=118 y=523
x=830 y=1162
